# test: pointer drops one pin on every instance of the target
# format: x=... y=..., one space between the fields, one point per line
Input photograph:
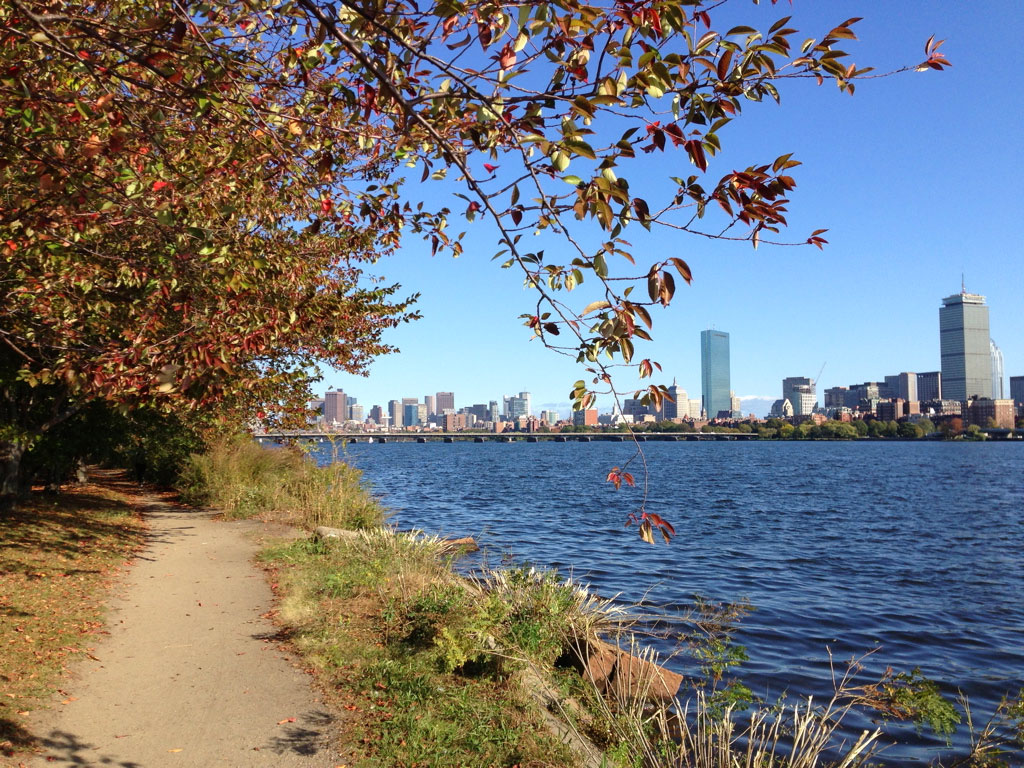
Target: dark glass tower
x=714 y=372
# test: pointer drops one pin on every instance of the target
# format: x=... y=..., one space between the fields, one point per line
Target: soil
x=194 y=672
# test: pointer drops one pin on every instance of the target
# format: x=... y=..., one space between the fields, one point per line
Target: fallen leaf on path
x=286 y=720
x=175 y=750
x=69 y=699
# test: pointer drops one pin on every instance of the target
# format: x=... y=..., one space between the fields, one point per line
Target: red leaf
x=158 y=185
x=507 y=57
x=490 y=168
x=661 y=522
x=696 y=152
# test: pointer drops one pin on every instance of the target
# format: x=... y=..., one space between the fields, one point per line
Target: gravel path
x=192 y=673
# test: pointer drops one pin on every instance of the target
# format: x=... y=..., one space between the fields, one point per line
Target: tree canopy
x=192 y=192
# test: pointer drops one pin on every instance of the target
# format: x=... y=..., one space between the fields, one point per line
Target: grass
x=59 y=556
x=243 y=479
x=424 y=665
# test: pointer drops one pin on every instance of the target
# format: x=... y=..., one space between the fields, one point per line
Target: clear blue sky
x=916 y=177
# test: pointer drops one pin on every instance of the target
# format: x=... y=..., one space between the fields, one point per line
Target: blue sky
x=916 y=177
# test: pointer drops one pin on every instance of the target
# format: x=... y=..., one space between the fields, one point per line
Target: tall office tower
x=525 y=397
x=714 y=372
x=492 y=411
x=1017 y=390
x=964 y=346
x=736 y=406
x=377 y=415
x=355 y=413
x=422 y=416
x=997 y=370
x=517 y=406
x=678 y=407
x=929 y=386
x=335 y=407
x=410 y=412
x=445 y=401
x=428 y=400
x=907 y=386
x=801 y=393
x=396 y=414
x=902 y=385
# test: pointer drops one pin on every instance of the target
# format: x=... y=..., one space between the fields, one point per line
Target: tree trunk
x=10 y=459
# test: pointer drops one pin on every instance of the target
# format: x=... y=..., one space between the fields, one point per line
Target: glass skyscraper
x=965 y=347
x=997 y=371
x=714 y=372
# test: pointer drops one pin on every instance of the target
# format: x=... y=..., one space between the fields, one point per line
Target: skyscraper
x=445 y=402
x=411 y=412
x=714 y=372
x=964 y=346
x=395 y=411
x=997 y=370
x=929 y=386
x=517 y=407
x=335 y=407
x=1017 y=390
x=678 y=407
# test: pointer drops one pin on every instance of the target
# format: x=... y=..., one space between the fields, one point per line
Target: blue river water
x=911 y=550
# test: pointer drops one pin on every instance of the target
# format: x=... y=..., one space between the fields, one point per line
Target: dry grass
x=243 y=479
x=59 y=556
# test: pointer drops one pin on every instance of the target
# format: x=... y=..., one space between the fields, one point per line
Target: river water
x=912 y=550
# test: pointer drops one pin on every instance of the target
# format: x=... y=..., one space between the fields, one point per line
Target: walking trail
x=193 y=673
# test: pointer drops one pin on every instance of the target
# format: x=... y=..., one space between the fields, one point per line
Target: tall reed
x=243 y=479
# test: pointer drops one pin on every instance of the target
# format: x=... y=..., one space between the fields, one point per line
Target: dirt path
x=192 y=674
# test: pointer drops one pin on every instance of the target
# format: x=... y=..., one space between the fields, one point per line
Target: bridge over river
x=488 y=437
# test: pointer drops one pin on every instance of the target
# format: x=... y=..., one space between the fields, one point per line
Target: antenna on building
x=963 y=285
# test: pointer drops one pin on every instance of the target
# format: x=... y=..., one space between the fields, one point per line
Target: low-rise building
x=987 y=412
x=585 y=418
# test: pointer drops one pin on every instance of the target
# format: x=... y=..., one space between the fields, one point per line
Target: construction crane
x=816 y=379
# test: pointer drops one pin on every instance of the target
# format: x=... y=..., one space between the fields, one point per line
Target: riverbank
x=415 y=665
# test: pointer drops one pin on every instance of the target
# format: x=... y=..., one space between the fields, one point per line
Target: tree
x=152 y=254
x=249 y=154
x=910 y=431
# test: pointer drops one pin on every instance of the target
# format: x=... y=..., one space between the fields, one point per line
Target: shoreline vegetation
x=512 y=667
x=502 y=668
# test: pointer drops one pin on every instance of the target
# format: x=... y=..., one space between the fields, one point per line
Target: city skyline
x=963 y=325
x=900 y=236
